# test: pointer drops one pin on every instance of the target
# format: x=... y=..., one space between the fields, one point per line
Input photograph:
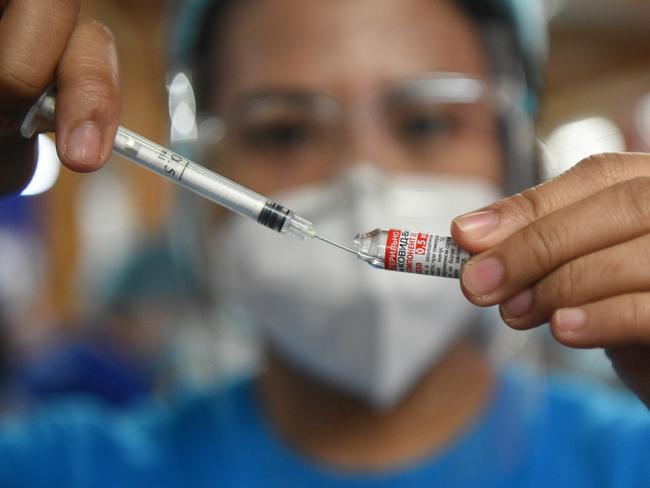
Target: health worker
x=361 y=114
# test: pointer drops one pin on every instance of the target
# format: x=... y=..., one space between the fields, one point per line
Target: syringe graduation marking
x=172 y=159
x=173 y=165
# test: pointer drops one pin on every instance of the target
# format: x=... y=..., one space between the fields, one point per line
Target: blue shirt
x=534 y=434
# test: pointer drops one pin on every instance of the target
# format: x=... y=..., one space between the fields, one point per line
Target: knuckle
x=95 y=81
x=568 y=283
x=99 y=93
x=637 y=309
x=540 y=244
x=641 y=256
x=603 y=169
x=21 y=80
x=91 y=75
x=635 y=196
x=528 y=203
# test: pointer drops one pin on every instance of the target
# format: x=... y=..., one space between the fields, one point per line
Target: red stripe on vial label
x=392 y=242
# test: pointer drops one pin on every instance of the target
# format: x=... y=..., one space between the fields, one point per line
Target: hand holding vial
x=572 y=251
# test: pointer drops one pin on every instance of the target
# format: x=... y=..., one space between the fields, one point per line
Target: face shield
x=284 y=143
x=278 y=132
x=293 y=293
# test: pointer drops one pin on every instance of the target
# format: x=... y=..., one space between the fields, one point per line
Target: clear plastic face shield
x=297 y=135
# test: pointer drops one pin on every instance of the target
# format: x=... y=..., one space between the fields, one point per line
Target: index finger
x=482 y=229
x=33 y=36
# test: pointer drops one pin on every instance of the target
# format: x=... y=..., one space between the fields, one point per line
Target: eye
x=278 y=136
x=424 y=126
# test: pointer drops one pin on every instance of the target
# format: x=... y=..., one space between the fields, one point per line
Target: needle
x=337 y=245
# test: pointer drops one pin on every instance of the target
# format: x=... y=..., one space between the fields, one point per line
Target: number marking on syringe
x=174 y=165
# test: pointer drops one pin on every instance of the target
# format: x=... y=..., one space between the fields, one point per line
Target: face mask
x=369 y=332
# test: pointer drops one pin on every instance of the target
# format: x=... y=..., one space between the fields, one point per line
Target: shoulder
x=599 y=410
x=584 y=433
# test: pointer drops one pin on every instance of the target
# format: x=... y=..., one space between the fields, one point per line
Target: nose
x=368 y=139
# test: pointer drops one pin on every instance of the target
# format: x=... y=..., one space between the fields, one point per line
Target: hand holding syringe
x=187 y=174
x=386 y=249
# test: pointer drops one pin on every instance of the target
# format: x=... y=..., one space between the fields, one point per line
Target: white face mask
x=369 y=332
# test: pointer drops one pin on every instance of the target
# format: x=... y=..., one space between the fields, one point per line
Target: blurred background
x=72 y=320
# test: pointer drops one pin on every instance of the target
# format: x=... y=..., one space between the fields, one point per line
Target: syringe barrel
x=189 y=175
x=412 y=252
x=210 y=185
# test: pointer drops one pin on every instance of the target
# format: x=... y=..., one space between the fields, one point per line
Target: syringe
x=189 y=175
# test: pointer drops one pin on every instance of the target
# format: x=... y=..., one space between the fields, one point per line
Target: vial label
x=428 y=254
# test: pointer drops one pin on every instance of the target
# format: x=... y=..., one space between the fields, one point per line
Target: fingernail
x=84 y=144
x=519 y=304
x=483 y=277
x=569 y=320
x=478 y=224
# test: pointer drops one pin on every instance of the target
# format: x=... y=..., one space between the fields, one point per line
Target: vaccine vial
x=411 y=252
